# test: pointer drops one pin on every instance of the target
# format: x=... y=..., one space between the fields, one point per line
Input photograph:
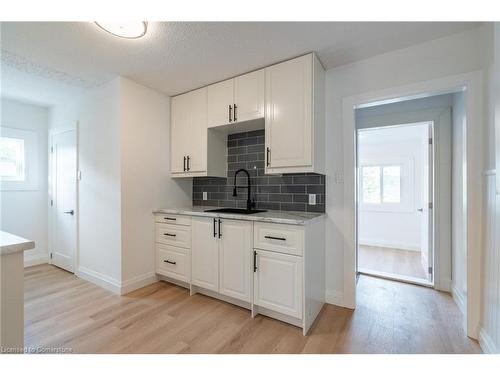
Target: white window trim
x=31 y=166
x=407 y=203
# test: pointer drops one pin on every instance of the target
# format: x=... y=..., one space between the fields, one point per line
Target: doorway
x=63 y=199
x=395 y=190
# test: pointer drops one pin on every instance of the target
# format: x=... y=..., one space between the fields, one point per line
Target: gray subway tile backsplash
x=288 y=192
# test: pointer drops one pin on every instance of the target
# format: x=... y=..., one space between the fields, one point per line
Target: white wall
x=489 y=335
x=124 y=153
x=459 y=53
x=146 y=183
x=24 y=212
x=459 y=218
x=100 y=187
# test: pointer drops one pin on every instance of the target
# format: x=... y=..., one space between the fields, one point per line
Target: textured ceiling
x=176 y=57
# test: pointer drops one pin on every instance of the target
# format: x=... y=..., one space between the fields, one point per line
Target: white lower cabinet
x=205 y=253
x=278 y=282
x=222 y=256
x=235 y=259
x=273 y=269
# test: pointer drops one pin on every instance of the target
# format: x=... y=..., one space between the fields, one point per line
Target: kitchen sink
x=243 y=211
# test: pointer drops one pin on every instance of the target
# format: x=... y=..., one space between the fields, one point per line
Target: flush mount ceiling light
x=129 y=30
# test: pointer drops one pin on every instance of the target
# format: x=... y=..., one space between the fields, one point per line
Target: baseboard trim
x=334 y=297
x=459 y=299
x=35 y=260
x=486 y=343
x=388 y=244
x=100 y=279
x=138 y=282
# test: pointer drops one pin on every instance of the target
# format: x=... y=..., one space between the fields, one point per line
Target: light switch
x=205 y=195
x=312 y=199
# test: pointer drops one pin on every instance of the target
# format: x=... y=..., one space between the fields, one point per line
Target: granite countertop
x=279 y=217
x=10 y=243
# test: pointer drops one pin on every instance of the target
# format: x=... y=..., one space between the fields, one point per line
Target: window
x=381 y=184
x=12 y=159
x=19 y=159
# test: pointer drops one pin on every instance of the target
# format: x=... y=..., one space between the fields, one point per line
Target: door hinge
x=430 y=141
x=430 y=206
x=430 y=270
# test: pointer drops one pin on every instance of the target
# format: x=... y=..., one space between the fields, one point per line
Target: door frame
x=471 y=85
x=52 y=132
x=432 y=223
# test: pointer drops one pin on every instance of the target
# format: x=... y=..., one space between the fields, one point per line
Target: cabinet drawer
x=173 y=262
x=175 y=235
x=173 y=219
x=282 y=238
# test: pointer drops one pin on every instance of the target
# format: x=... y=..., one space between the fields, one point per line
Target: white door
x=289 y=114
x=64 y=199
x=205 y=253
x=278 y=282
x=220 y=103
x=196 y=135
x=249 y=90
x=426 y=209
x=235 y=259
x=179 y=132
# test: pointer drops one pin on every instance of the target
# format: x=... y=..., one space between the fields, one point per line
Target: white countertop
x=279 y=217
x=10 y=243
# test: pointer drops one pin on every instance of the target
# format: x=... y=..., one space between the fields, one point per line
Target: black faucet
x=250 y=204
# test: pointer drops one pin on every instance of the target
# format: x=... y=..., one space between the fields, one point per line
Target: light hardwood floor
x=392 y=261
x=64 y=311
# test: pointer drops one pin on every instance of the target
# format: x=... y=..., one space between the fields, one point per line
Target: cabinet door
x=289 y=114
x=196 y=137
x=220 y=97
x=235 y=259
x=179 y=126
x=249 y=96
x=278 y=283
x=204 y=254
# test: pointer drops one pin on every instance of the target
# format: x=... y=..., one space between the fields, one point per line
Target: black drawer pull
x=275 y=238
x=170 y=262
x=169 y=218
x=170 y=234
x=254 y=261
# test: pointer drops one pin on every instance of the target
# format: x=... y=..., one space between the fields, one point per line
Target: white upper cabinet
x=190 y=155
x=220 y=103
x=294 y=116
x=236 y=100
x=249 y=96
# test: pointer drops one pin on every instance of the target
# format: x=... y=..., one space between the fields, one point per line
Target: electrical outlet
x=205 y=195
x=312 y=199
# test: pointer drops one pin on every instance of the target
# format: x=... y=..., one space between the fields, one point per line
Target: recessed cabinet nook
x=287 y=99
x=269 y=268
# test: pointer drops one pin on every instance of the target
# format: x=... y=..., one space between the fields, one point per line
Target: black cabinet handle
x=230 y=113
x=275 y=238
x=220 y=233
x=170 y=234
x=215 y=221
x=184 y=164
x=254 y=261
x=235 y=119
x=188 y=167
x=170 y=218
x=268 y=155
x=170 y=262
